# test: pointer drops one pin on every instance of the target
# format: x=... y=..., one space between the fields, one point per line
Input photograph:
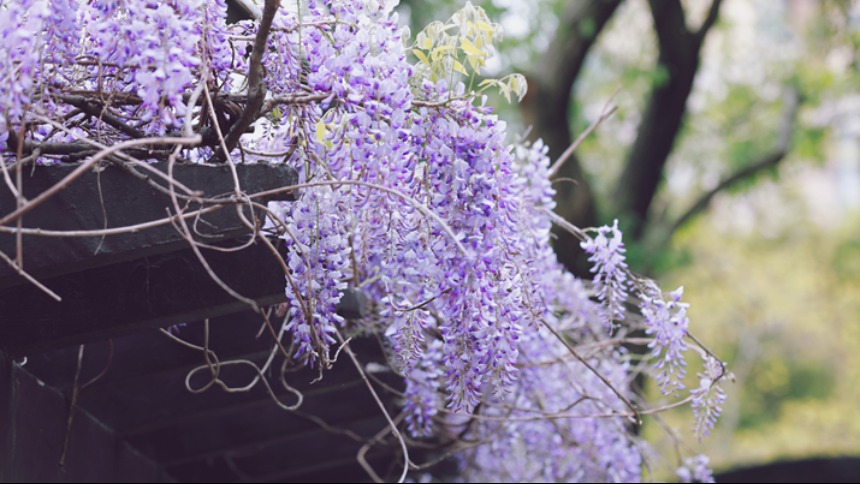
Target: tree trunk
x=546 y=108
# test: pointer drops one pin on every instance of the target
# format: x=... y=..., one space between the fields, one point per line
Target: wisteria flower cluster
x=610 y=270
x=667 y=321
x=709 y=397
x=695 y=469
x=410 y=194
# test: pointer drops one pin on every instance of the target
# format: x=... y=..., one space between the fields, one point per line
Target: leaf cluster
x=463 y=45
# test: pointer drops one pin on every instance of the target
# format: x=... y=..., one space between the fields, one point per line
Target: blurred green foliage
x=784 y=311
x=774 y=285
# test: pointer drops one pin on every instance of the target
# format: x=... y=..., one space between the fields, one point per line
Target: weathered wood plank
x=154 y=291
x=33 y=428
x=114 y=198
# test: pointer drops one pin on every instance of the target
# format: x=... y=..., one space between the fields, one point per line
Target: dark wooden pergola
x=91 y=391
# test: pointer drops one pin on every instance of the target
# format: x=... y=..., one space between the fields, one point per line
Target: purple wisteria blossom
x=27 y=29
x=708 y=397
x=318 y=262
x=423 y=395
x=410 y=193
x=606 y=252
x=521 y=446
x=667 y=322
x=150 y=49
x=695 y=469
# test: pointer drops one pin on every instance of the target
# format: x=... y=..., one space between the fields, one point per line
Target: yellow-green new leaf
x=470 y=49
x=421 y=56
x=320 y=130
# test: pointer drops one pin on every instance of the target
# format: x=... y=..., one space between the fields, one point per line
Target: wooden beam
x=315 y=456
x=150 y=292
x=116 y=197
x=34 y=427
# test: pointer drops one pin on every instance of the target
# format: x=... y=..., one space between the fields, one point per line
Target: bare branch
x=256 y=86
x=608 y=109
x=89 y=164
x=379 y=403
x=81 y=149
x=294 y=99
x=32 y=280
x=96 y=110
x=546 y=109
x=185 y=231
x=710 y=20
x=772 y=159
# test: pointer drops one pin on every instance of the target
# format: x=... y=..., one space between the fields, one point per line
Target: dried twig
x=256 y=86
x=380 y=404
x=84 y=167
x=30 y=278
x=608 y=109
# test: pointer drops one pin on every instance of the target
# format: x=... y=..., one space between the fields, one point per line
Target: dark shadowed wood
x=153 y=291
x=216 y=436
x=822 y=469
x=113 y=198
x=33 y=421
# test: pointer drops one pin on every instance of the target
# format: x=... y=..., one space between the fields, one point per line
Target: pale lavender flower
x=667 y=322
x=319 y=262
x=423 y=394
x=709 y=397
x=610 y=270
x=464 y=316
x=695 y=469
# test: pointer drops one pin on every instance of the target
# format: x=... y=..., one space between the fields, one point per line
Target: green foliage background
x=773 y=282
x=785 y=313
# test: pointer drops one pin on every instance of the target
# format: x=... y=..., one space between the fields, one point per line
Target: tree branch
x=76 y=150
x=772 y=159
x=547 y=104
x=664 y=111
x=709 y=21
x=256 y=86
x=100 y=112
x=670 y=26
x=607 y=111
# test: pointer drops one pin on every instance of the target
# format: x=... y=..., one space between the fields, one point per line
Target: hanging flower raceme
x=695 y=469
x=410 y=194
x=709 y=397
x=318 y=262
x=667 y=322
x=606 y=252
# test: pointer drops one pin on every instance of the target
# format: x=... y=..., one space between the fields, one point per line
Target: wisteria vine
x=411 y=195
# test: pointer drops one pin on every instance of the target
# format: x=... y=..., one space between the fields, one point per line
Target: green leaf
x=426 y=42
x=506 y=91
x=518 y=85
x=421 y=56
x=486 y=27
x=475 y=62
x=320 y=130
x=470 y=49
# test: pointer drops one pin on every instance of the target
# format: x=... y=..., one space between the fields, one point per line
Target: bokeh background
x=771 y=261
